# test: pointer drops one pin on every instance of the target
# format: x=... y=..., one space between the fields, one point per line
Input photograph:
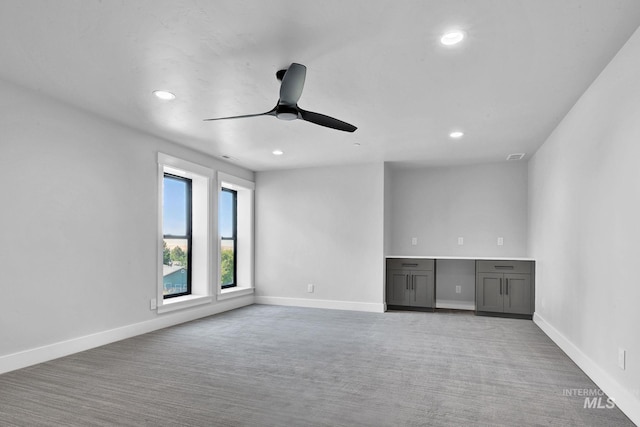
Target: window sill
x=234 y=292
x=186 y=301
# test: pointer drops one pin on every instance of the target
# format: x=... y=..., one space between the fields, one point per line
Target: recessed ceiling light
x=164 y=95
x=278 y=152
x=452 y=37
x=456 y=134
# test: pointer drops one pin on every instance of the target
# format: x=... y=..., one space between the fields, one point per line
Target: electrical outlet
x=622 y=355
x=458 y=289
x=500 y=241
x=310 y=287
x=153 y=304
x=460 y=241
x=414 y=241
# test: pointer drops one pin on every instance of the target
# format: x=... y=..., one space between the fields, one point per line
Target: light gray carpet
x=284 y=366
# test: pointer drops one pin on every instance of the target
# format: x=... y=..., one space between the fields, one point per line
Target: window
x=185 y=243
x=228 y=224
x=235 y=234
x=176 y=230
x=205 y=235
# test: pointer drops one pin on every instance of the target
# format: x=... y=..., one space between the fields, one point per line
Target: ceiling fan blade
x=271 y=112
x=322 y=120
x=292 y=84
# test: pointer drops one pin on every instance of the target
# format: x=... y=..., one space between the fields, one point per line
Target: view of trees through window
x=226 y=265
x=174 y=256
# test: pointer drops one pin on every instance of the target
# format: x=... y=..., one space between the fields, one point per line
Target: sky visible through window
x=174 y=207
x=225 y=218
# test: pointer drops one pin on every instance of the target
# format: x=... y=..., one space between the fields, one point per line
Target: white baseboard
x=319 y=303
x=456 y=305
x=45 y=353
x=623 y=398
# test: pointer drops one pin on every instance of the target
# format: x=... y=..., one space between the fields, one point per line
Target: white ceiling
x=375 y=64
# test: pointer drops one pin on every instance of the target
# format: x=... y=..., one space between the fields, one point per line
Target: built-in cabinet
x=504 y=287
x=410 y=283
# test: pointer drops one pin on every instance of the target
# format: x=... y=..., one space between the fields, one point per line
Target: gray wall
x=479 y=203
x=387 y=208
x=322 y=226
x=79 y=221
x=451 y=273
x=584 y=186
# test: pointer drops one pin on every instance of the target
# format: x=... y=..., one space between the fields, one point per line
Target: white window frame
x=245 y=237
x=202 y=242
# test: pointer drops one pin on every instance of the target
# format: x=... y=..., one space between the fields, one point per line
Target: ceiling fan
x=287 y=107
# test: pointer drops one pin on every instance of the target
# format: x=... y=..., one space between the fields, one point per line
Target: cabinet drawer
x=410 y=264
x=504 y=267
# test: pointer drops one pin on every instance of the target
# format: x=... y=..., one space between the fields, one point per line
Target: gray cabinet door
x=489 y=292
x=398 y=287
x=517 y=293
x=421 y=287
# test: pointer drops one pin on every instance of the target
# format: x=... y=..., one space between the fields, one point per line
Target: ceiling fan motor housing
x=286 y=112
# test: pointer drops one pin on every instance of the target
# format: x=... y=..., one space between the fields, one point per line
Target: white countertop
x=477 y=258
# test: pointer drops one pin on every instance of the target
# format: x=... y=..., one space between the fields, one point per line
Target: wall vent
x=515 y=156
